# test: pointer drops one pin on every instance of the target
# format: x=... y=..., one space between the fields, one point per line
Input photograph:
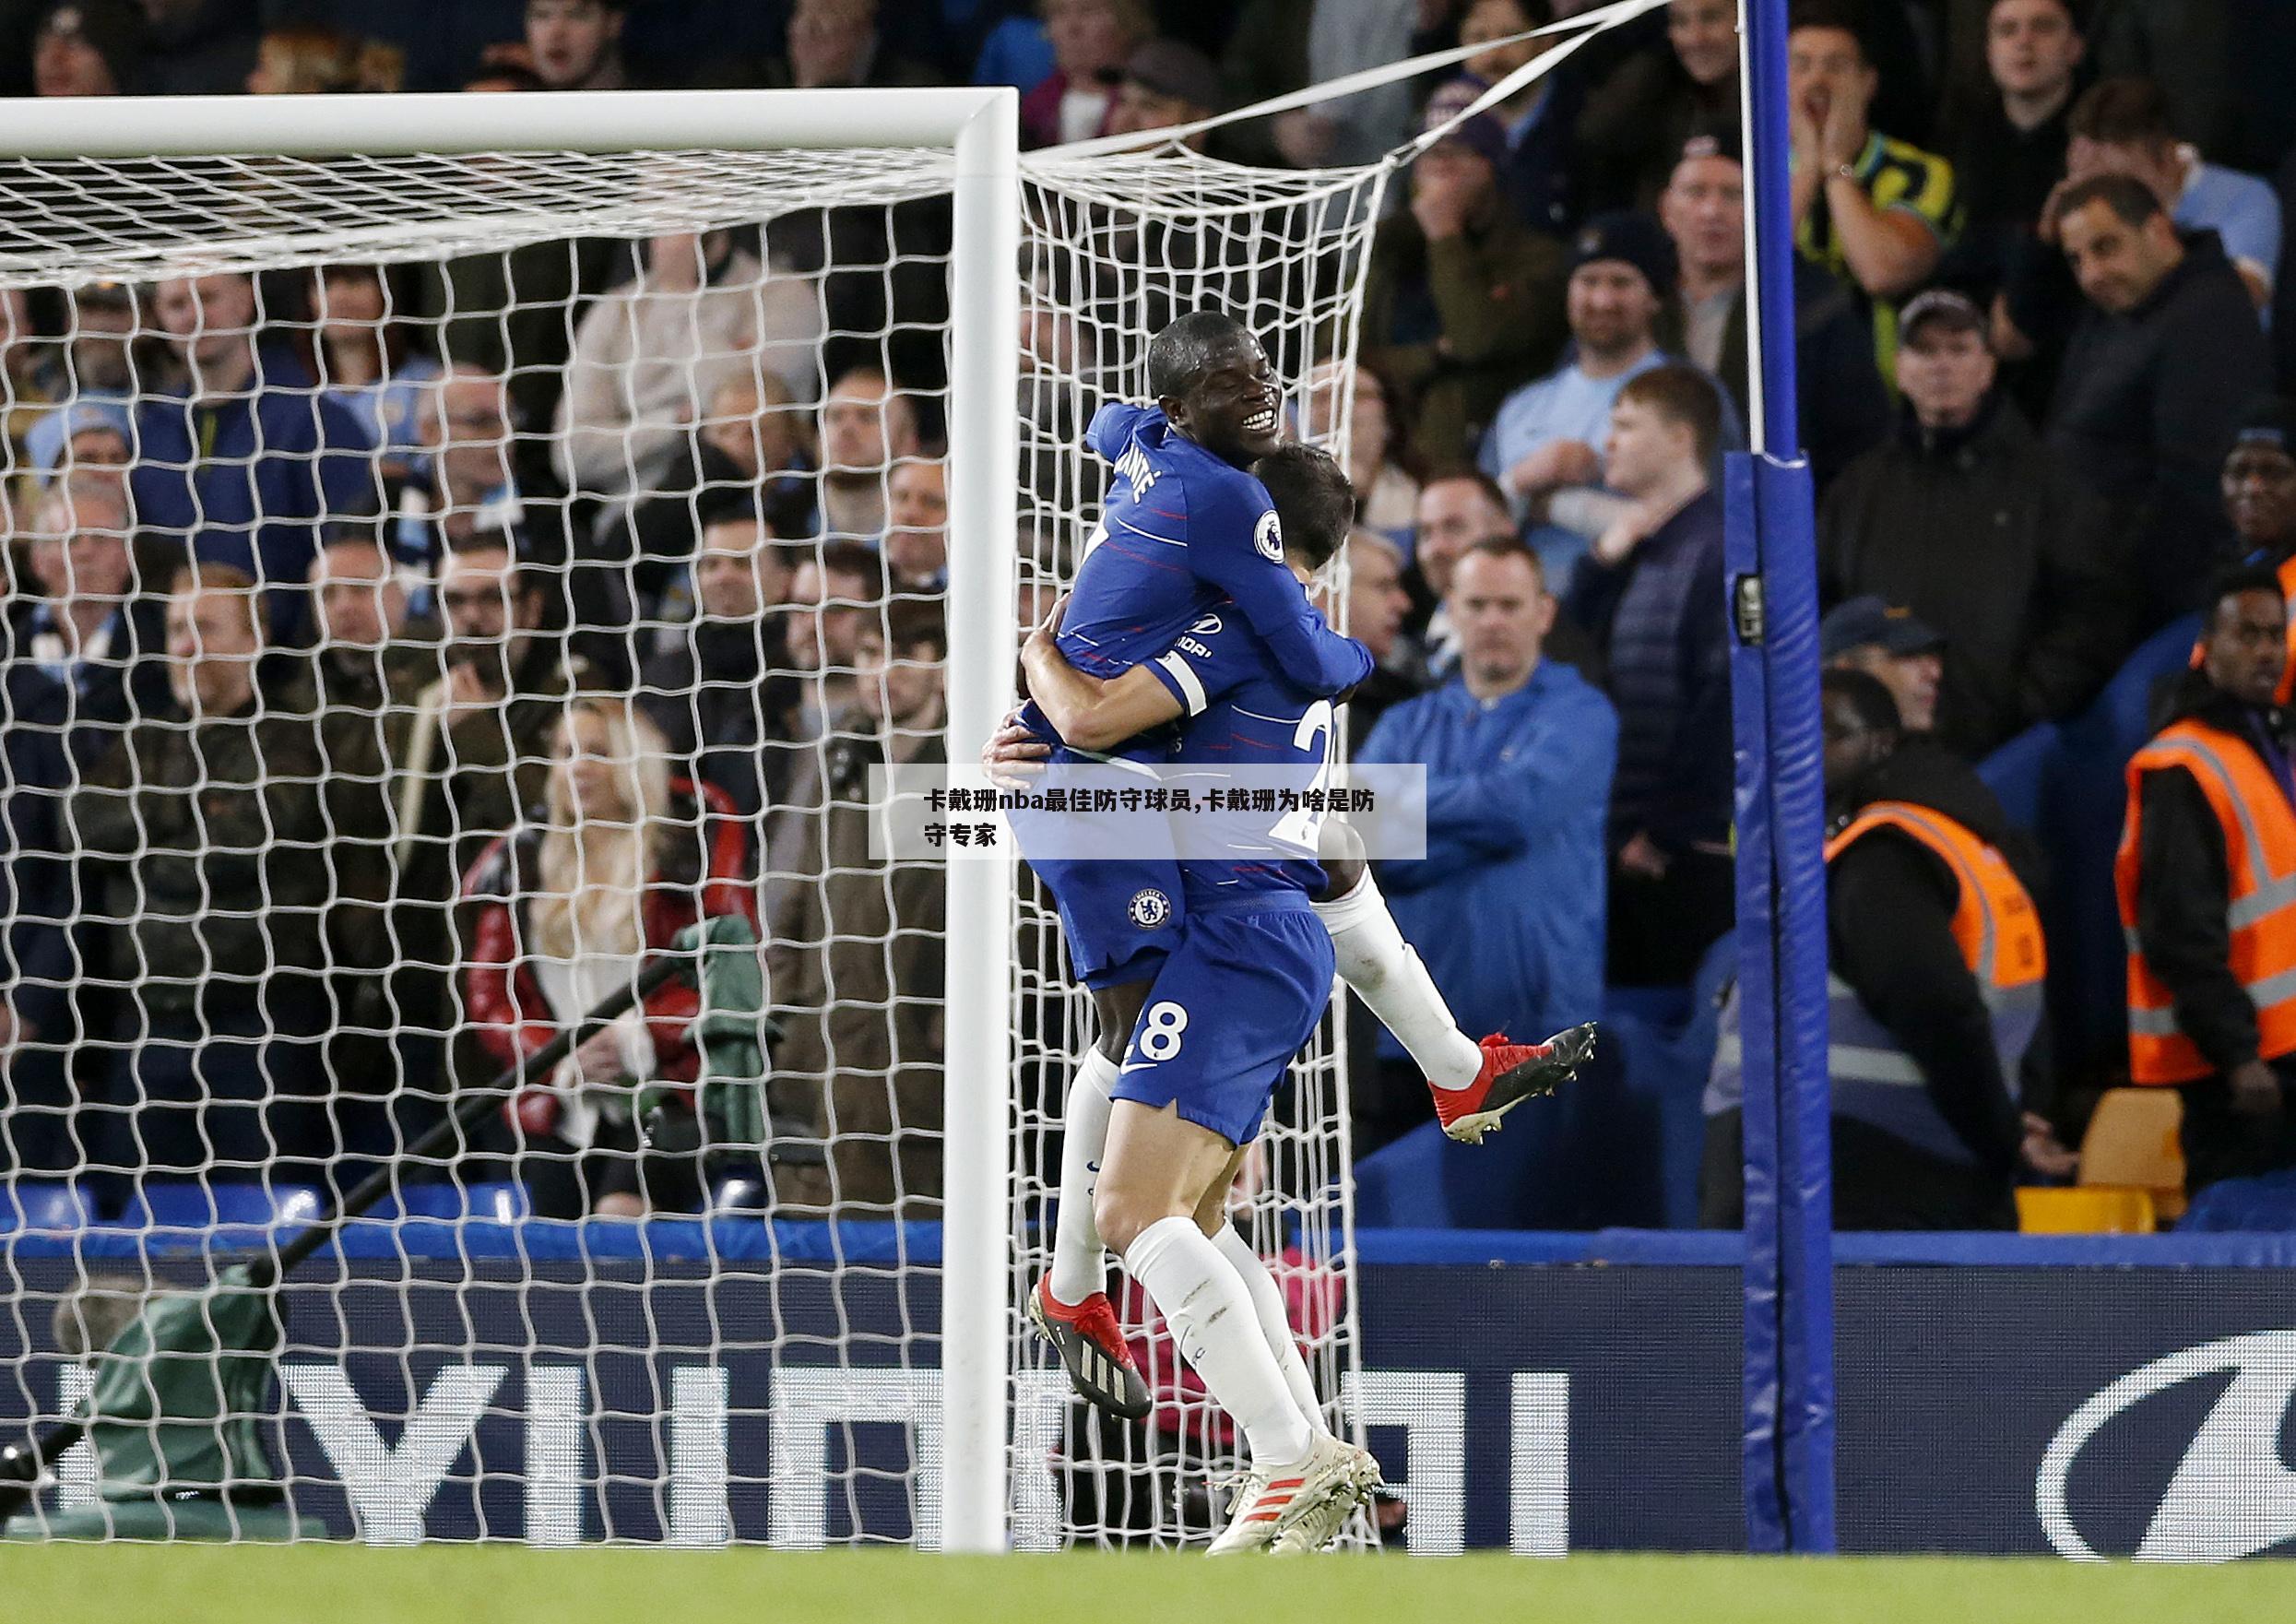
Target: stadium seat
x=2103 y=1210
x=2265 y=1204
x=37 y=1206
x=216 y=1206
x=2131 y=1143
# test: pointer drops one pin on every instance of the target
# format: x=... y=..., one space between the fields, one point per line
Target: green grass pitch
x=342 y=1584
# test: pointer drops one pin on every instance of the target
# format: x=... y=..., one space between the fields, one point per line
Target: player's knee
x=1121 y=1216
x=1109 y=1044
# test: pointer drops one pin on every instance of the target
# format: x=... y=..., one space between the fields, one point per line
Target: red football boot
x=1091 y=1344
x=1512 y=1074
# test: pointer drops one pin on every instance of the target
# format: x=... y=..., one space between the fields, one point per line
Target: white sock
x=1208 y=1307
x=1267 y=1302
x=1375 y=961
x=1077 y=1270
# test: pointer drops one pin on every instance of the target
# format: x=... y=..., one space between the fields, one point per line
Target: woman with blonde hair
x=568 y=910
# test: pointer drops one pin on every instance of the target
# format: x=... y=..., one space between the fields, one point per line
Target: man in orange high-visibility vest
x=2206 y=880
x=1936 y=963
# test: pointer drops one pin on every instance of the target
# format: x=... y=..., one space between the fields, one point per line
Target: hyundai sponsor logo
x=2232 y=1495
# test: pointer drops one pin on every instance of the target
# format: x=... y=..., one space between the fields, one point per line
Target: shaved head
x=1180 y=354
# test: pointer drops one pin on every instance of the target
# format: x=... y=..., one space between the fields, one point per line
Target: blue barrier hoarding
x=1994 y=1406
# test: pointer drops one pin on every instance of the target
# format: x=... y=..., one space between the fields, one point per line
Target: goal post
x=980 y=128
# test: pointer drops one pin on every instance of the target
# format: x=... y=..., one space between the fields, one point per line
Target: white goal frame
x=981 y=128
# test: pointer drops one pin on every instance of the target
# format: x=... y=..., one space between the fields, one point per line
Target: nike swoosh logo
x=1135 y=1066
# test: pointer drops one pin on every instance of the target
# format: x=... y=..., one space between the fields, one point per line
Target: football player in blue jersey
x=1237 y=996
x=1186 y=529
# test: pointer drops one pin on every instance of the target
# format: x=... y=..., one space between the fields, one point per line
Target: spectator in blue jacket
x=1519 y=751
x=1650 y=594
x=246 y=464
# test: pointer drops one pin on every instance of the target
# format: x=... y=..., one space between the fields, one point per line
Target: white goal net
x=438 y=582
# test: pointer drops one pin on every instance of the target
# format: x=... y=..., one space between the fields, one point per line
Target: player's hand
x=1014 y=757
x=2256 y=1090
x=12 y=1031
x=1641 y=856
x=1049 y=627
x=2043 y=1153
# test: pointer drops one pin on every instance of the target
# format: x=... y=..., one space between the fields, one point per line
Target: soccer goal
x=580 y=415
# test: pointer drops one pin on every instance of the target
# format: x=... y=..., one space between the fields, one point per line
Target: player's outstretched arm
x=1273 y=602
x=1092 y=713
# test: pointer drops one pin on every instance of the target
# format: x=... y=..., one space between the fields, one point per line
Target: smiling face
x=1611 y=308
x=1232 y=408
x=1704 y=34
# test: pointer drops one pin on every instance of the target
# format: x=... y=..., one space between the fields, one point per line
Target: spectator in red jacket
x=565 y=911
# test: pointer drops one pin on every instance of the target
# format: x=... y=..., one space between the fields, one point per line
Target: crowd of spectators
x=410 y=649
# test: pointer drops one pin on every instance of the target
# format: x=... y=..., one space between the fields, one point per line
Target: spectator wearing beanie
x=1543 y=447
x=1844 y=407
x=1462 y=297
x=2260 y=500
x=88 y=48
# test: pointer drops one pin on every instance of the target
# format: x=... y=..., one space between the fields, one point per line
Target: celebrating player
x=1186 y=529
x=1221 y=678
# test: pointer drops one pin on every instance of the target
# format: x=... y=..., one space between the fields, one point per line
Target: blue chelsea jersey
x=1242 y=711
x=1184 y=534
